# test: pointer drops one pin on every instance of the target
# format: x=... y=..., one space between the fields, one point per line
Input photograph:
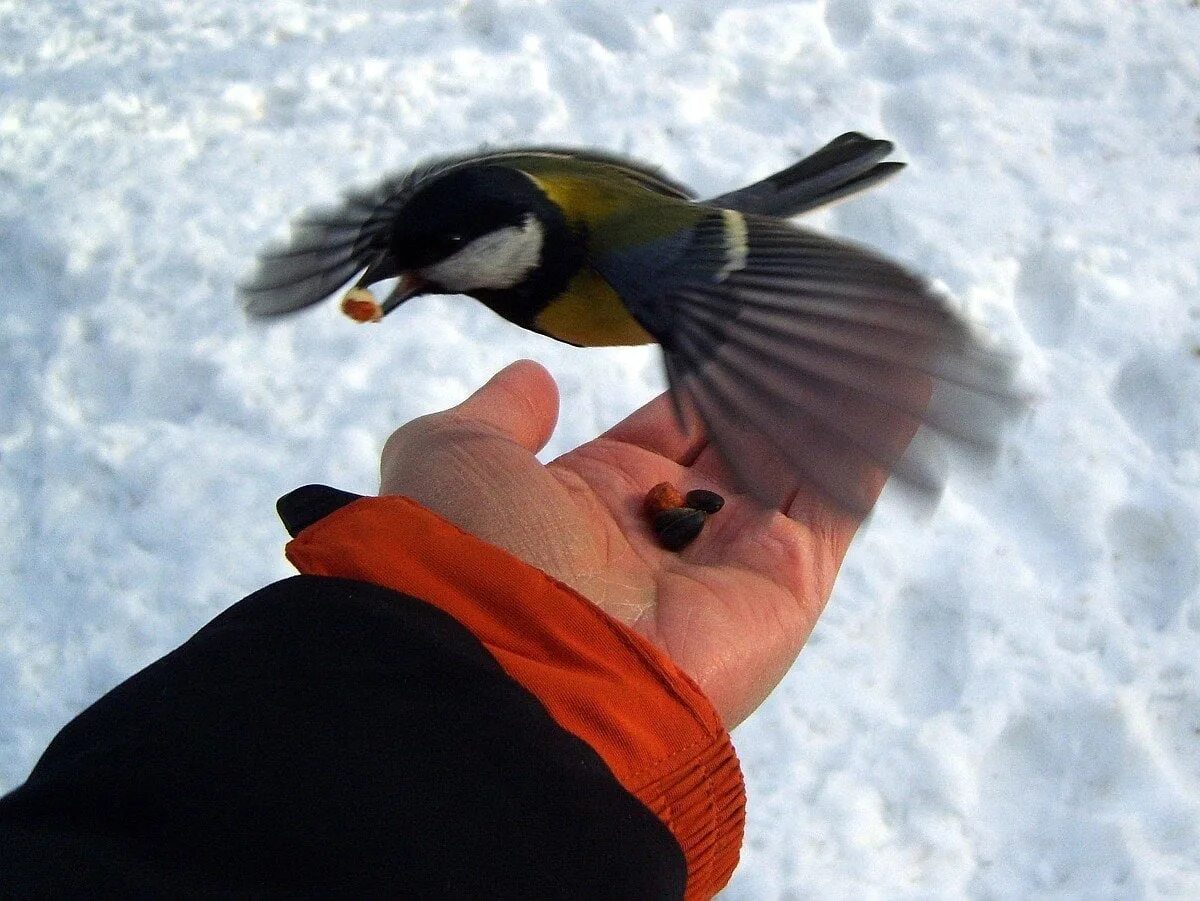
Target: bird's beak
x=409 y=285
x=361 y=306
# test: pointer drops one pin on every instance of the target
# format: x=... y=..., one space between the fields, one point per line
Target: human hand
x=733 y=609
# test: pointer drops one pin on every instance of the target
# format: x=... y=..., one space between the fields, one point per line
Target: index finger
x=654 y=427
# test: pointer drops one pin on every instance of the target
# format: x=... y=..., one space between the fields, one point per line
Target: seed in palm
x=678 y=527
x=703 y=499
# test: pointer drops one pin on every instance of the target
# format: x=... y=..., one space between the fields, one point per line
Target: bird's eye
x=454 y=239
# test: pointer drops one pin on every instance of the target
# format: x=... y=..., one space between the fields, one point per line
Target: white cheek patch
x=500 y=259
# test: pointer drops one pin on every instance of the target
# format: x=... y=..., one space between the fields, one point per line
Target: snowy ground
x=1002 y=701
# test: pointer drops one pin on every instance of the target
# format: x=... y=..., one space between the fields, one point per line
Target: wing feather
x=328 y=247
x=818 y=361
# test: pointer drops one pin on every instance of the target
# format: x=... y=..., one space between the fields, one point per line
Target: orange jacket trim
x=598 y=679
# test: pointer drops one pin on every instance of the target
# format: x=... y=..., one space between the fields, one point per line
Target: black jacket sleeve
x=328 y=737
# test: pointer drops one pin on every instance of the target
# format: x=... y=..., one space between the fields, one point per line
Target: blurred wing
x=327 y=248
x=330 y=246
x=642 y=174
x=810 y=361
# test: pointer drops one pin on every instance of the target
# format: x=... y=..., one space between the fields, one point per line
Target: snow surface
x=1002 y=701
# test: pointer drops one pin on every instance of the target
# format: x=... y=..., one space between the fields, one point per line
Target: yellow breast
x=590 y=313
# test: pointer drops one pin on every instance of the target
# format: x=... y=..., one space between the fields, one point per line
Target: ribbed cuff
x=599 y=680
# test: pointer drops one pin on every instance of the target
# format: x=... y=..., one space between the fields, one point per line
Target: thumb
x=520 y=402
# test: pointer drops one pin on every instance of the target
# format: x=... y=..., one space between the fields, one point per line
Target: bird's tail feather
x=846 y=165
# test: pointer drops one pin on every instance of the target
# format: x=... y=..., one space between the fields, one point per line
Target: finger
x=510 y=417
x=655 y=428
x=833 y=526
x=520 y=402
x=710 y=465
x=813 y=510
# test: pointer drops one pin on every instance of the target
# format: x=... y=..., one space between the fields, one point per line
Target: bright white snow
x=1002 y=700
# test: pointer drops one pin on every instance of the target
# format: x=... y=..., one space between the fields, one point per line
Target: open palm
x=732 y=610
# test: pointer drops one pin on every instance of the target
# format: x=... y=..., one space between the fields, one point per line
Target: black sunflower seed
x=678 y=527
x=701 y=499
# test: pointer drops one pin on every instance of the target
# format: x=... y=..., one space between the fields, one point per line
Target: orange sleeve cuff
x=599 y=680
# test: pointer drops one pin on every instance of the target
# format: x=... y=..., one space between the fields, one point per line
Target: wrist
x=652 y=725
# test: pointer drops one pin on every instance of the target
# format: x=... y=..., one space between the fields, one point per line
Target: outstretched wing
x=812 y=361
x=330 y=246
x=641 y=174
x=327 y=248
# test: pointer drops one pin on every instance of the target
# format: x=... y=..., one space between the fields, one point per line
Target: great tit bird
x=807 y=360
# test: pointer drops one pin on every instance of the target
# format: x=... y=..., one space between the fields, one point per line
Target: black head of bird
x=808 y=360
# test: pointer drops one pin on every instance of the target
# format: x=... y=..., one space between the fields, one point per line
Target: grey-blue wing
x=815 y=361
